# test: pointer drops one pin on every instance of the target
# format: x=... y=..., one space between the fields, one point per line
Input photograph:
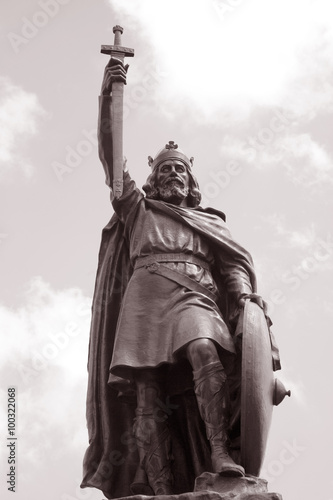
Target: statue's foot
x=163 y=489
x=161 y=482
x=140 y=484
x=224 y=465
x=232 y=471
x=141 y=489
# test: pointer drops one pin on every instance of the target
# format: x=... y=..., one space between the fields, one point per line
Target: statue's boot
x=212 y=396
x=154 y=445
x=140 y=485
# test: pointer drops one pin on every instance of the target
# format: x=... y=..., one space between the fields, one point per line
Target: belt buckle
x=152 y=268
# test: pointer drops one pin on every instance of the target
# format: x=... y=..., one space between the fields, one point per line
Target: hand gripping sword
x=119 y=52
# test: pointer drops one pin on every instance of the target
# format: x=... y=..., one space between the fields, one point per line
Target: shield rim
x=257 y=388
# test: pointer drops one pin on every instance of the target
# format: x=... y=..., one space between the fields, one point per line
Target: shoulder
x=129 y=199
x=212 y=211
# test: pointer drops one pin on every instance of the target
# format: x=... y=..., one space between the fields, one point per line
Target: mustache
x=173 y=180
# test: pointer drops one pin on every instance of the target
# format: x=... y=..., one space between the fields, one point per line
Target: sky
x=244 y=86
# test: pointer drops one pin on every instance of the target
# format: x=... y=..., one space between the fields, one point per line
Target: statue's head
x=171 y=179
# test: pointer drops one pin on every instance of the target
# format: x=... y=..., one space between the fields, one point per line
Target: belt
x=153 y=264
x=170 y=257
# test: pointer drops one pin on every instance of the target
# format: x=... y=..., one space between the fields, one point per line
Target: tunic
x=159 y=317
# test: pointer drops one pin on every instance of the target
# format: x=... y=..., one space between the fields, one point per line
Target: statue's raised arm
x=110 y=126
x=115 y=71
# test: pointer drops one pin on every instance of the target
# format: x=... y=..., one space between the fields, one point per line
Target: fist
x=241 y=302
x=115 y=71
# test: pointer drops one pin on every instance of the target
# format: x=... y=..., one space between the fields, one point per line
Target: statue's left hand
x=254 y=297
x=241 y=302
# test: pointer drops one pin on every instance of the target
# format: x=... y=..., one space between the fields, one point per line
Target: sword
x=117 y=110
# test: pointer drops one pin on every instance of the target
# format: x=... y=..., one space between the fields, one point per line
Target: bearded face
x=172 y=182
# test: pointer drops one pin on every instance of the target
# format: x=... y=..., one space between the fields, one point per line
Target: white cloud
x=307 y=162
x=19 y=111
x=44 y=355
x=304 y=249
x=257 y=53
x=302 y=239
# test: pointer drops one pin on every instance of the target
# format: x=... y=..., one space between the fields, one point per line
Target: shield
x=257 y=391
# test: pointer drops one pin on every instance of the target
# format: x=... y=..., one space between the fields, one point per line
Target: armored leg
x=153 y=440
x=212 y=397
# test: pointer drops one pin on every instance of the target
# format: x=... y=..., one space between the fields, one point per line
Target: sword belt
x=154 y=264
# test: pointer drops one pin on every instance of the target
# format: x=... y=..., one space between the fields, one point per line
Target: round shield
x=257 y=388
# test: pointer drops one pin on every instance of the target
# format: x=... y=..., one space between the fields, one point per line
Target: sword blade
x=117 y=137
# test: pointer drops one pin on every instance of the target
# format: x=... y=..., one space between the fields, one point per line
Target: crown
x=170 y=152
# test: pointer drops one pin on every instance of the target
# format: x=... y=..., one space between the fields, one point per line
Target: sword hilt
x=116 y=49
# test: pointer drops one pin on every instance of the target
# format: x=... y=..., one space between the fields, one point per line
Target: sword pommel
x=118 y=31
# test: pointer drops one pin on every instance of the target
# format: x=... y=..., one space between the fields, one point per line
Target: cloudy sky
x=243 y=86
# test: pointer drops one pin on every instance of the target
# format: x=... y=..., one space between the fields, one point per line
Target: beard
x=173 y=192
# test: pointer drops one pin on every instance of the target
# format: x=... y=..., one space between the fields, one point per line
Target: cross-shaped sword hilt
x=117 y=50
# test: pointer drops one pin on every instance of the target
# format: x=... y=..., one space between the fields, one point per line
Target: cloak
x=111 y=459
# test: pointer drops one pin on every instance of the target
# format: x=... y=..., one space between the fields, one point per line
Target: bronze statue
x=163 y=401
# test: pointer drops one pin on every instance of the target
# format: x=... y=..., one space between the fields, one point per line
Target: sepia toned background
x=244 y=86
